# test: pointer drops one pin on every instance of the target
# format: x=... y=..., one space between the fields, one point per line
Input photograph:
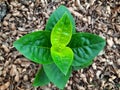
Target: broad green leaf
x=63 y=58
x=84 y=65
x=56 y=76
x=62 y=32
x=85 y=47
x=55 y=17
x=40 y=78
x=35 y=46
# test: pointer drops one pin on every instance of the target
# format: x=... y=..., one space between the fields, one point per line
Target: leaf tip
x=35 y=84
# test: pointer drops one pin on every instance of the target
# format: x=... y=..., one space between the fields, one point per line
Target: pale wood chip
x=5 y=86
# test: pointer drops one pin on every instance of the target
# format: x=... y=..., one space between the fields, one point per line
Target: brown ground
x=96 y=16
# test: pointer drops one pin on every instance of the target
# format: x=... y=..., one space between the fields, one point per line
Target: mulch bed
x=101 y=17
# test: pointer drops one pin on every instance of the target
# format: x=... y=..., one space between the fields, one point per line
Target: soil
x=101 y=17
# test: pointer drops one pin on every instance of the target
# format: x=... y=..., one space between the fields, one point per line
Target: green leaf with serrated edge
x=62 y=32
x=55 y=17
x=63 y=58
x=35 y=46
x=85 y=47
x=56 y=76
x=60 y=37
x=41 y=78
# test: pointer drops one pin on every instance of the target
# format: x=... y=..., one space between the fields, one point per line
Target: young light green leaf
x=55 y=17
x=85 y=47
x=56 y=76
x=35 y=46
x=40 y=78
x=60 y=37
x=62 y=32
x=63 y=58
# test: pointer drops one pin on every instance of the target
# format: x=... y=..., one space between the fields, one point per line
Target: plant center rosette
x=59 y=48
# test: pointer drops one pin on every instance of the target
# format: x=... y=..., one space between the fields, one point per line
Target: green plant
x=59 y=48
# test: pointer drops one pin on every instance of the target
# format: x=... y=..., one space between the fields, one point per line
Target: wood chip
x=16 y=13
x=5 y=48
x=80 y=16
x=17 y=78
x=12 y=26
x=25 y=78
x=98 y=74
x=80 y=6
x=117 y=27
x=13 y=71
x=5 y=86
x=5 y=23
x=110 y=42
